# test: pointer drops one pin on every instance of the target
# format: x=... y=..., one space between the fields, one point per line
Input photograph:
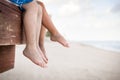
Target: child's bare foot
x=34 y=55
x=59 y=38
x=44 y=52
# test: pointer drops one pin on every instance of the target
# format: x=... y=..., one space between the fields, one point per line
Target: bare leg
x=47 y=22
x=30 y=22
x=39 y=29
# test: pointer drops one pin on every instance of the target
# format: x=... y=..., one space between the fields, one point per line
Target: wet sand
x=79 y=62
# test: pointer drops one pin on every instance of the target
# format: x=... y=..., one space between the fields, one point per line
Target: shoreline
x=98 y=46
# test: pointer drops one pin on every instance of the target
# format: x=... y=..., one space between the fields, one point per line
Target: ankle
x=31 y=46
x=54 y=33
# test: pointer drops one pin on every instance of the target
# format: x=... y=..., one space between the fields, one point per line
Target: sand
x=79 y=62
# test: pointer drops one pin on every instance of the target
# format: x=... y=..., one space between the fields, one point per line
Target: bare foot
x=59 y=38
x=34 y=55
x=44 y=52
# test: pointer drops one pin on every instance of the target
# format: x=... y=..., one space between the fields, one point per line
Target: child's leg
x=39 y=29
x=30 y=22
x=55 y=35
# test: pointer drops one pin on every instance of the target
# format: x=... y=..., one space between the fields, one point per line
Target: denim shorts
x=20 y=3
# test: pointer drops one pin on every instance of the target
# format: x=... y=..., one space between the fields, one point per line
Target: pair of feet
x=37 y=54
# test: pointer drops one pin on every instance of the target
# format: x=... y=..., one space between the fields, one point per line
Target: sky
x=83 y=20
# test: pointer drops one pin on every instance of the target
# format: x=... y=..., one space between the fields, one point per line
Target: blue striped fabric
x=20 y=2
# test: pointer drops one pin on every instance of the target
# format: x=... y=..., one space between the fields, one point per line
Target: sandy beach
x=79 y=62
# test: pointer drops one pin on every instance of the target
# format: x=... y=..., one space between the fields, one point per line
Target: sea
x=106 y=45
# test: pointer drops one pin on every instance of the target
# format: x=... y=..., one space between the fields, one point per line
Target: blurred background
x=95 y=22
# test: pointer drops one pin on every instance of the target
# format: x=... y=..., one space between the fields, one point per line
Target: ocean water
x=106 y=45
